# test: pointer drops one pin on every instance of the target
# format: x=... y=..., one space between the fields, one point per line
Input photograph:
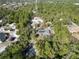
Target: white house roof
x=37 y=20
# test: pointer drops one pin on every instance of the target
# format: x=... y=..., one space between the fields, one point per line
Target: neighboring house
x=74 y=30
x=8 y=35
x=11 y=31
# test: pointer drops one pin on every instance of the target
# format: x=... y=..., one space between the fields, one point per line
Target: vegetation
x=59 y=46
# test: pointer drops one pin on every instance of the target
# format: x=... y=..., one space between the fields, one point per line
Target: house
x=8 y=35
x=73 y=28
x=44 y=32
x=11 y=30
x=46 y=29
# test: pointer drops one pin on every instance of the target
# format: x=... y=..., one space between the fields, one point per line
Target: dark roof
x=2 y=37
x=29 y=50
